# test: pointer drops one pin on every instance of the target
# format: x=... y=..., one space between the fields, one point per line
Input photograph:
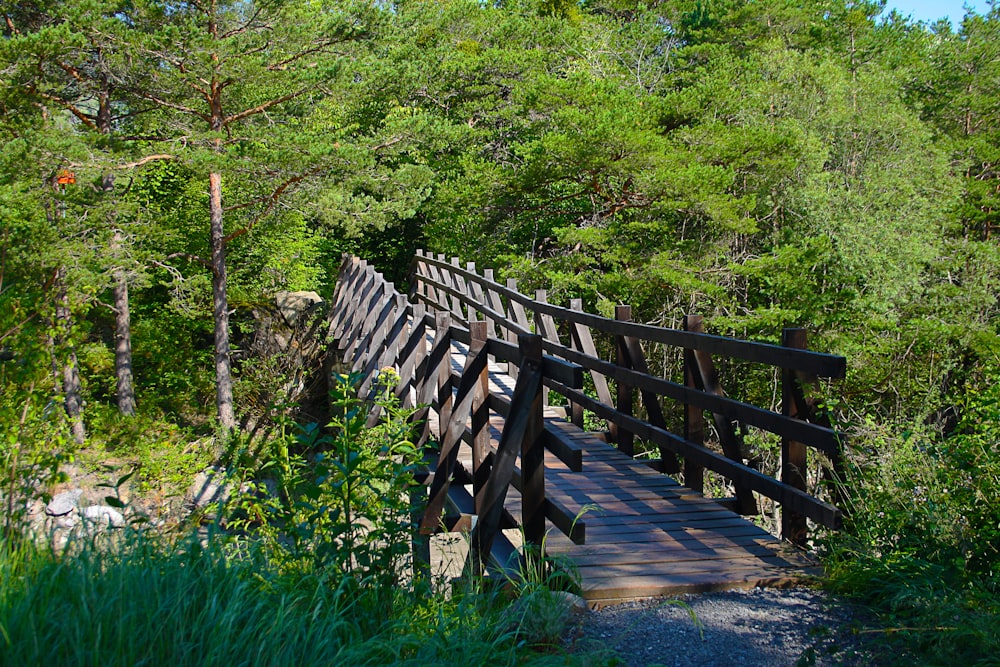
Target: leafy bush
x=335 y=502
x=924 y=534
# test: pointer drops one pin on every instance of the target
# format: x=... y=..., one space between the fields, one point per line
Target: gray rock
x=209 y=487
x=572 y=603
x=104 y=515
x=64 y=503
x=293 y=305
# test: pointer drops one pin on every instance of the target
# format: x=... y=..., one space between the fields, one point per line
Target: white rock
x=64 y=503
x=104 y=515
x=293 y=305
x=209 y=487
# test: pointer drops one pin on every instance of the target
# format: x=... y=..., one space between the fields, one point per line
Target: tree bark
x=123 y=341
x=220 y=304
x=72 y=386
x=123 y=324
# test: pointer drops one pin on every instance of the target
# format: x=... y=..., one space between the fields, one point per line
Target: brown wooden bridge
x=480 y=361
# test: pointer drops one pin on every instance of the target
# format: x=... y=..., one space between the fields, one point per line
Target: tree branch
x=147 y=160
x=265 y=106
x=183 y=255
x=174 y=106
x=271 y=200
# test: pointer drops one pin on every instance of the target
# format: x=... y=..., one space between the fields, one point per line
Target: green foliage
x=315 y=574
x=334 y=502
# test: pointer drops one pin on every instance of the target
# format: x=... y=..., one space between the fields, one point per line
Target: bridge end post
x=793 y=454
x=533 y=450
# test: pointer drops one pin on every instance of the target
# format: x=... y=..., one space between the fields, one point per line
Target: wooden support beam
x=482 y=455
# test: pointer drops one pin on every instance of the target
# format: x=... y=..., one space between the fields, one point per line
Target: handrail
x=375 y=327
x=816 y=363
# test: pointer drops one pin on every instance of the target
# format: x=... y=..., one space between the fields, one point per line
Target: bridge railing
x=446 y=286
x=376 y=329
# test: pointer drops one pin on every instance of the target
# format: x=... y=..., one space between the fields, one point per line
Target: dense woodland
x=166 y=167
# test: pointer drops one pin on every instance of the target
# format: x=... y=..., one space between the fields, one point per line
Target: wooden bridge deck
x=646 y=535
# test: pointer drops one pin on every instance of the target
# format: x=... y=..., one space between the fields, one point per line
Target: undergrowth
x=922 y=545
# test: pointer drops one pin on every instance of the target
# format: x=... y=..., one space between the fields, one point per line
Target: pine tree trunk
x=123 y=345
x=72 y=386
x=123 y=322
x=223 y=366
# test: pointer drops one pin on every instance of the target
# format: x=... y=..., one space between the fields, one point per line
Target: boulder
x=103 y=515
x=209 y=487
x=293 y=306
x=64 y=503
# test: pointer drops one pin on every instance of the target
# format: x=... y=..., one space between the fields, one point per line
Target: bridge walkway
x=646 y=534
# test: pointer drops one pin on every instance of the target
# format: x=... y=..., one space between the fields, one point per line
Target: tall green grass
x=145 y=600
x=312 y=568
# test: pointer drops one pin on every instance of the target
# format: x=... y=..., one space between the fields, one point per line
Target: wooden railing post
x=533 y=451
x=624 y=438
x=694 y=417
x=546 y=326
x=457 y=284
x=442 y=326
x=482 y=457
x=494 y=303
x=515 y=312
x=412 y=357
x=793 y=454
x=582 y=340
x=521 y=435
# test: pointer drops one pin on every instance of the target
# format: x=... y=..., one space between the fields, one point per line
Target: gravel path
x=757 y=627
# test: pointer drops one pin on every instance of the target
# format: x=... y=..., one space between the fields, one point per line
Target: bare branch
x=246 y=26
x=271 y=201
x=83 y=117
x=183 y=255
x=175 y=106
x=265 y=106
x=387 y=143
x=147 y=160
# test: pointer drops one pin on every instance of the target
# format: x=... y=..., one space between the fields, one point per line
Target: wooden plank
x=631 y=588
